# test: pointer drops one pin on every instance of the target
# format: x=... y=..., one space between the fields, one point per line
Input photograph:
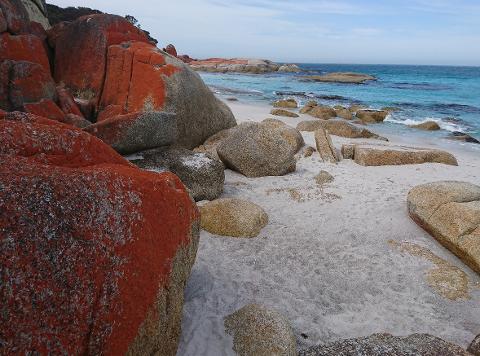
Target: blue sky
x=320 y=31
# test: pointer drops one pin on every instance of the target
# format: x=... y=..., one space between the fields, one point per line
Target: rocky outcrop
x=347 y=78
x=257 y=151
x=450 y=212
x=233 y=217
x=257 y=330
x=171 y=50
x=388 y=345
x=113 y=245
x=371 y=116
x=240 y=65
x=286 y=103
x=136 y=132
x=202 y=175
x=427 y=126
x=380 y=155
x=338 y=128
x=289 y=68
x=283 y=112
x=325 y=147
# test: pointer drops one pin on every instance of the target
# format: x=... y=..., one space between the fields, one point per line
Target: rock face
x=240 y=65
x=233 y=217
x=282 y=112
x=348 y=78
x=325 y=146
x=286 y=103
x=113 y=245
x=37 y=12
x=338 y=128
x=257 y=151
x=372 y=116
x=378 y=155
x=474 y=347
x=258 y=331
x=427 y=126
x=450 y=212
x=388 y=345
x=136 y=132
x=203 y=176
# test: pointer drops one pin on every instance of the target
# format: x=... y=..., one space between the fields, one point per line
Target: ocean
x=448 y=95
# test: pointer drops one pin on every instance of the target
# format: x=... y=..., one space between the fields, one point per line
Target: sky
x=438 y=32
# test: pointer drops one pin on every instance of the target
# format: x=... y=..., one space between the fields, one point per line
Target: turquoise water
x=448 y=95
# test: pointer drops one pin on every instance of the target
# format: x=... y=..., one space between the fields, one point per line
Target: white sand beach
x=341 y=260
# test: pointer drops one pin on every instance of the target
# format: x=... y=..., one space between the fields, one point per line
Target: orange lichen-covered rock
x=94 y=259
x=28 y=48
x=135 y=78
x=49 y=142
x=25 y=82
x=136 y=131
x=141 y=78
x=66 y=102
x=171 y=50
x=46 y=108
x=81 y=51
x=15 y=16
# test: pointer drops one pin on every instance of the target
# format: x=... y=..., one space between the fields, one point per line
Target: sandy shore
x=340 y=261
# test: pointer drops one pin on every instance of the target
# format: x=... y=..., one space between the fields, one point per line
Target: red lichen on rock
x=46 y=108
x=28 y=48
x=81 y=51
x=15 y=15
x=171 y=50
x=134 y=80
x=67 y=102
x=49 y=142
x=85 y=253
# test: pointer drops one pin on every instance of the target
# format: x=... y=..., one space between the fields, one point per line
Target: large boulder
x=202 y=175
x=257 y=151
x=427 y=126
x=29 y=48
x=136 y=132
x=388 y=345
x=325 y=147
x=322 y=112
x=37 y=11
x=233 y=217
x=293 y=137
x=98 y=251
x=258 y=331
x=383 y=155
x=142 y=78
x=81 y=51
x=450 y=212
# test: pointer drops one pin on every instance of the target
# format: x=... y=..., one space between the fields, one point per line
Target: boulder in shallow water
x=308 y=106
x=340 y=77
x=325 y=146
x=202 y=175
x=427 y=126
x=282 y=112
x=371 y=116
x=233 y=217
x=388 y=345
x=461 y=136
x=258 y=331
x=450 y=212
x=383 y=155
x=257 y=151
